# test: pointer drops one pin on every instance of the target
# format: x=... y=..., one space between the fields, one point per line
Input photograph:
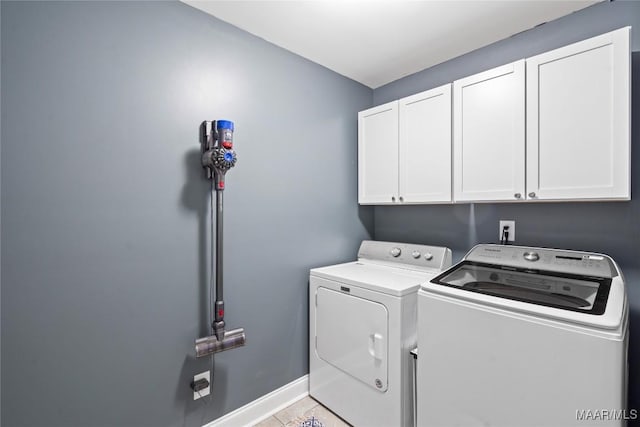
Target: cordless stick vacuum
x=217 y=158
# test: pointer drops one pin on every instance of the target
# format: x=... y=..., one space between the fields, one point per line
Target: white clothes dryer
x=520 y=336
x=362 y=327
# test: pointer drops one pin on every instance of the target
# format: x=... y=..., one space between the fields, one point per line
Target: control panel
x=573 y=262
x=422 y=256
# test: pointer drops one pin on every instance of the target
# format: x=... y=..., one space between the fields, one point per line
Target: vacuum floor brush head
x=211 y=344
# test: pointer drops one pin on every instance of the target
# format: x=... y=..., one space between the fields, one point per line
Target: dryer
x=522 y=336
x=362 y=327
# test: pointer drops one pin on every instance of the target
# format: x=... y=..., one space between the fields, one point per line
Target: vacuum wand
x=217 y=158
x=218 y=324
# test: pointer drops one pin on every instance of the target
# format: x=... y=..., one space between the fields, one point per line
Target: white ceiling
x=377 y=42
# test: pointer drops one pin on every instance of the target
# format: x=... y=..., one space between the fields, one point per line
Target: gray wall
x=612 y=228
x=104 y=209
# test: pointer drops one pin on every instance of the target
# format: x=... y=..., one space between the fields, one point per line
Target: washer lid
x=381 y=278
x=589 y=300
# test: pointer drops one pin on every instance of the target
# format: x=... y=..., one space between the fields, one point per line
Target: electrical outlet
x=205 y=391
x=512 y=230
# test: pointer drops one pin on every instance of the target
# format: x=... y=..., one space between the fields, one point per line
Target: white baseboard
x=263 y=407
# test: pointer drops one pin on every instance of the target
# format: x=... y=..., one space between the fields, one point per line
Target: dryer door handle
x=376 y=345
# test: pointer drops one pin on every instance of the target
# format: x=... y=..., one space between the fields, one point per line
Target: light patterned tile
x=296 y=410
x=326 y=417
x=269 y=422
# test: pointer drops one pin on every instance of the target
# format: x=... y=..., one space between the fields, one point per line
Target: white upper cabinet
x=378 y=154
x=404 y=150
x=578 y=120
x=489 y=135
x=571 y=142
x=425 y=147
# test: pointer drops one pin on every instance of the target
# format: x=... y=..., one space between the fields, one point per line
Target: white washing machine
x=362 y=326
x=519 y=336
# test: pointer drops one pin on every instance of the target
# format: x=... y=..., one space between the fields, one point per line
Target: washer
x=362 y=326
x=522 y=336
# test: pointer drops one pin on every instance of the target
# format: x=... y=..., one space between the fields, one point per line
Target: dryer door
x=352 y=335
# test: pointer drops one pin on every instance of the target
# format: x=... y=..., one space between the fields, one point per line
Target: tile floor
x=294 y=415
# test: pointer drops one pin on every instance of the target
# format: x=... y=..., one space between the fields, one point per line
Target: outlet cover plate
x=512 y=229
x=205 y=391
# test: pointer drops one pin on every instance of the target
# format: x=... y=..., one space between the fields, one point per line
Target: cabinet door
x=489 y=135
x=378 y=154
x=578 y=114
x=425 y=146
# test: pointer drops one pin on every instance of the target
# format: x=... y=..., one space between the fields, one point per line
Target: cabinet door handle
x=401 y=199
x=532 y=194
x=517 y=195
x=393 y=198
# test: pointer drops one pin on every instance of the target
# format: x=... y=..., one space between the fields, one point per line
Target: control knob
x=428 y=256
x=395 y=252
x=531 y=256
x=415 y=254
